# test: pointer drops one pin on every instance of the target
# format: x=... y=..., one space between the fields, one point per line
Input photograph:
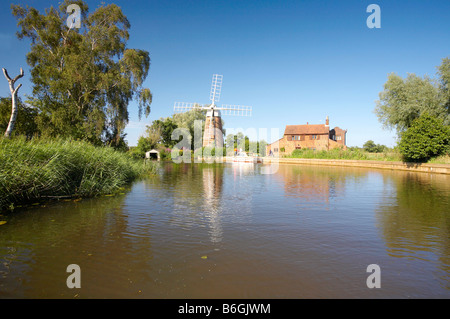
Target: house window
x=338 y=138
x=314 y=137
x=275 y=150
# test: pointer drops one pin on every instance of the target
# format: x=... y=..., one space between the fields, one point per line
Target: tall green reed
x=43 y=168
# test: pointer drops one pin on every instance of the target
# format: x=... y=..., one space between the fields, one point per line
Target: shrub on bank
x=427 y=137
x=30 y=170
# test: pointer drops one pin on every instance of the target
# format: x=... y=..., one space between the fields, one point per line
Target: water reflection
x=199 y=198
x=185 y=183
x=415 y=219
x=318 y=184
x=212 y=190
x=306 y=231
x=38 y=244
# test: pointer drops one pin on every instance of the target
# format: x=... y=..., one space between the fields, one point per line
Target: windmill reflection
x=212 y=189
x=198 y=198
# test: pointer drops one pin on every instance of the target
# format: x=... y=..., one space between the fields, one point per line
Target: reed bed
x=45 y=169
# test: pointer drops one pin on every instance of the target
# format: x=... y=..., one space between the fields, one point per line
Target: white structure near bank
x=153 y=154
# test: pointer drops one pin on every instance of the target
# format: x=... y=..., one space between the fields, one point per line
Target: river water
x=229 y=231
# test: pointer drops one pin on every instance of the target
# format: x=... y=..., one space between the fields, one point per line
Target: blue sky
x=292 y=61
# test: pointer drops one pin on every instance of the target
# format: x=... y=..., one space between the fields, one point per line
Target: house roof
x=337 y=128
x=306 y=129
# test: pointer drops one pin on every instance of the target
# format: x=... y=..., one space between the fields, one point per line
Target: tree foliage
x=426 y=138
x=159 y=133
x=83 y=79
x=166 y=126
x=26 y=118
x=241 y=141
x=187 y=120
x=404 y=100
x=371 y=147
x=142 y=147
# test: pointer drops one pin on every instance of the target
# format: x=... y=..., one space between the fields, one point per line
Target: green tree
x=142 y=147
x=166 y=126
x=230 y=141
x=239 y=141
x=427 y=137
x=404 y=100
x=187 y=120
x=153 y=135
x=83 y=79
x=25 y=121
x=235 y=141
x=444 y=85
x=371 y=147
x=262 y=147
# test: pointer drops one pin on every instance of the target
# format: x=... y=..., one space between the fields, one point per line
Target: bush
x=426 y=138
x=165 y=154
x=371 y=147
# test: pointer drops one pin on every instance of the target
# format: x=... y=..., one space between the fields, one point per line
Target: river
x=229 y=231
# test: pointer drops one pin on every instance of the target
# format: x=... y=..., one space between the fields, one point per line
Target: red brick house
x=308 y=136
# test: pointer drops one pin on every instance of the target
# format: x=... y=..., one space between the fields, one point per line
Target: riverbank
x=392 y=165
x=49 y=169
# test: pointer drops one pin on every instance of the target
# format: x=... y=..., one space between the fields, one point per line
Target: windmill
x=212 y=135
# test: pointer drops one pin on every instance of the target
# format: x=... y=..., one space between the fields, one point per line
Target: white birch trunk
x=15 y=107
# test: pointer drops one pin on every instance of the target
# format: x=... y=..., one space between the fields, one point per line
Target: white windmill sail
x=212 y=109
x=226 y=109
x=216 y=88
x=236 y=110
x=180 y=107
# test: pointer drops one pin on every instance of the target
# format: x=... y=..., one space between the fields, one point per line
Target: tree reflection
x=415 y=219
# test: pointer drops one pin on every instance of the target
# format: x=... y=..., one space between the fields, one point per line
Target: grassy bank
x=45 y=169
x=358 y=154
x=348 y=154
x=443 y=159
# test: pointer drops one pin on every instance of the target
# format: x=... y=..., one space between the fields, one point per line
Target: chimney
x=327 y=122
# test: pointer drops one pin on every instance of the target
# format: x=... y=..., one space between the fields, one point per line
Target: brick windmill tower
x=212 y=135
